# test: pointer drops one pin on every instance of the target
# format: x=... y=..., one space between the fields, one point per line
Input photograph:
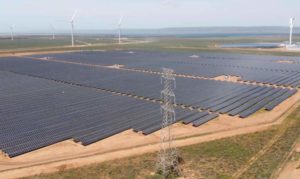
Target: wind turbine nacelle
x=292 y=20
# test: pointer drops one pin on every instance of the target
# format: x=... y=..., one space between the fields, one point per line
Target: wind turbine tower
x=291 y=30
x=72 y=26
x=119 y=26
x=53 y=31
x=12 y=28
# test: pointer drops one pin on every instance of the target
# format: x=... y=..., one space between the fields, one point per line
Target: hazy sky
x=104 y=14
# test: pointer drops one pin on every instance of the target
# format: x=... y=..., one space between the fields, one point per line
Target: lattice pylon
x=168 y=160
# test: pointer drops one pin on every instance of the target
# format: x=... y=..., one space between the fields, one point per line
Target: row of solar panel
x=291 y=79
x=141 y=58
x=35 y=113
x=190 y=92
x=250 y=70
x=248 y=101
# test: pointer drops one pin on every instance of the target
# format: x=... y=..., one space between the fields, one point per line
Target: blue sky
x=104 y=14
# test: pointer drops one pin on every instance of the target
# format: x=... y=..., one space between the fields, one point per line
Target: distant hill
x=230 y=30
x=184 y=31
x=199 y=31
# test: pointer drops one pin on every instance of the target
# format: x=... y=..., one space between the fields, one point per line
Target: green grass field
x=45 y=43
x=62 y=43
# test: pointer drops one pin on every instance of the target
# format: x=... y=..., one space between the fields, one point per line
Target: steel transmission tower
x=168 y=160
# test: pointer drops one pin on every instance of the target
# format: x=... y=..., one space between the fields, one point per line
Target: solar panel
x=45 y=102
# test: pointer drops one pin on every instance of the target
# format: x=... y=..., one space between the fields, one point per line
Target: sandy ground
x=229 y=78
x=9 y=54
x=291 y=169
x=286 y=61
x=68 y=154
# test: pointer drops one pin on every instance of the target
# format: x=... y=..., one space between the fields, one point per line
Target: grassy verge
x=266 y=164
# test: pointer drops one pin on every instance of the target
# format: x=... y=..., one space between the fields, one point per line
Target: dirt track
x=62 y=49
x=291 y=169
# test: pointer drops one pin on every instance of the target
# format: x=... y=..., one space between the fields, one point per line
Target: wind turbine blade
x=292 y=20
x=120 y=20
x=74 y=15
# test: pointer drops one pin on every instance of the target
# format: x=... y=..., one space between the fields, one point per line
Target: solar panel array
x=204 y=94
x=264 y=69
x=44 y=102
x=36 y=113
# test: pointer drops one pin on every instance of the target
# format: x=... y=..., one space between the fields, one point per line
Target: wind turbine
x=72 y=26
x=53 y=31
x=12 y=27
x=120 y=26
x=291 y=29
